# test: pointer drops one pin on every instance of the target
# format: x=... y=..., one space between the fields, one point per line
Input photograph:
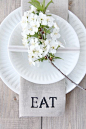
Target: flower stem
x=67 y=76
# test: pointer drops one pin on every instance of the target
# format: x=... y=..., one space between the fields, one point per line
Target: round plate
x=46 y=73
x=10 y=77
x=80 y=70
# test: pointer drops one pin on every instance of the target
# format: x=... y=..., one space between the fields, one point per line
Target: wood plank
x=7 y=6
x=75 y=115
x=9 y=101
x=16 y=123
x=78 y=7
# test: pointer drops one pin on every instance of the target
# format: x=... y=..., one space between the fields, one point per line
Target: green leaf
x=48 y=5
x=35 y=35
x=41 y=59
x=35 y=1
x=53 y=56
x=57 y=58
x=48 y=31
x=43 y=4
x=37 y=5
x=44 y=26
x=49 y=15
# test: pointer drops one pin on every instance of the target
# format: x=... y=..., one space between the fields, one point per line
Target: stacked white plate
x=46 y=73
x=11 y=77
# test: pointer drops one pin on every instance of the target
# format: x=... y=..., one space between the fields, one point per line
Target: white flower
x=60 y=44
x=32 y=18
x=24 y=19
x=45 y=50
x=28 y=31
x=31 y=30
x=36 y=51
x=25 y=41
x=47 y=41
x=50 y=21
x=25 y=33
x=34 y=41
x=42 y=18
x=56 y=26
x=27 y=13
x=53 y=46
x=33 y=9
x=24 y=22
x=55 y=34
x=31 y=59
x=45 y=47
x=36 y=26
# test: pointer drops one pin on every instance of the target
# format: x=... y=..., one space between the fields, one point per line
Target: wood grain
x=9 y=101
x=75 y=115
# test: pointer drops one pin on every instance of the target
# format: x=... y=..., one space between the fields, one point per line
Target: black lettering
x=34 y=102
x=43 y=102
x=53 y=101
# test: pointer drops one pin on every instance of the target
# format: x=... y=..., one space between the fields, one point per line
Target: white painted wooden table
x=75 y=114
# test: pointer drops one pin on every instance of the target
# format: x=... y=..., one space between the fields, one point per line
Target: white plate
x=10 y=76
x=80 y=70
x=46 y=73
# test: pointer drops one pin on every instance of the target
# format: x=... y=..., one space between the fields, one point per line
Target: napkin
x=43 y=100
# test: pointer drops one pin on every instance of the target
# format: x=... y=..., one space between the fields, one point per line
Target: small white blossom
x=45 y=50
x=50 y=21
x=53 y=46
x=33 y=9
x=36 y=26
x=24 y=22
x=47 y=41
x=60 y=44
x=34 y=41
x=56 y=26
x=55 y=34
x=32 y=18
x=31 y=59
x=42 y=18
x=36 y=51
x=31 y=30
x=25 y=32
x=27 y=14
x=25 y=41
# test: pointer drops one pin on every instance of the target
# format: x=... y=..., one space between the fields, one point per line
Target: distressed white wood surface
x=9 y=101
x=75 y=115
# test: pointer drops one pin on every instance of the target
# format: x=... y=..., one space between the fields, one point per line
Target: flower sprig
x=40 y=33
